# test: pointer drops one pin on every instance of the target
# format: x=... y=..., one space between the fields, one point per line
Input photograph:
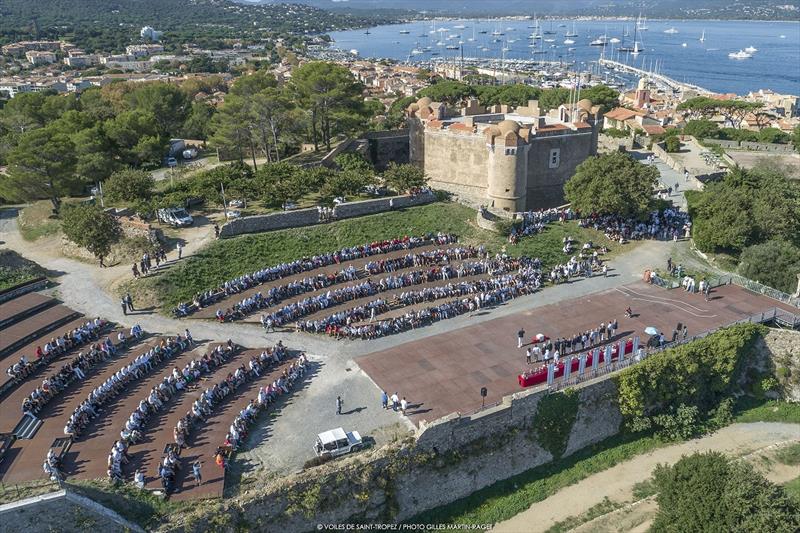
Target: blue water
x=775 y=66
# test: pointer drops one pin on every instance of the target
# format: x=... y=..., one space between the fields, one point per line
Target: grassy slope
x=34 y=221
x=229 y=258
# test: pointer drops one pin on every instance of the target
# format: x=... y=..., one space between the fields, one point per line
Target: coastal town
x=282 y=267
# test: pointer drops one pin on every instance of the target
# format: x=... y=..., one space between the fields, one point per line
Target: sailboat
x=635 y=49
x=471 y=39
x=751 y=49
x=671 y=31
x=571 y=34
x=703 y=37
x=641 y=23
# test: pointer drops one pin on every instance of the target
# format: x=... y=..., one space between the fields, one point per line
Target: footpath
x=617 y=482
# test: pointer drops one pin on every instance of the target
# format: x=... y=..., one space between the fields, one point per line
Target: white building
x=150 y=34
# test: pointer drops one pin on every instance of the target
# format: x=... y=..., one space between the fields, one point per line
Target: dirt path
x=617 y=483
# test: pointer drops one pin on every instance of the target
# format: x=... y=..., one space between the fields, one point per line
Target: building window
x=511 y=151
x=555 y=157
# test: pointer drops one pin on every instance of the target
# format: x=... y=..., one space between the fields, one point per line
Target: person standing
x=528 y=356
x=129 y=301
x=216 y=230
x=685 y=332
x=605 y=271
x=179 y=247
x=124 y=306
x=198 y=478
x=384 y=400
x=706 y=290
x=339 y=404
x=395 y=401
x=520 y=337
x=403 y=405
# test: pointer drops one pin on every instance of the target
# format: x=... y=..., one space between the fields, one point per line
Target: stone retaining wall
x=23 y=288
x=310 y=217
x=752 y=146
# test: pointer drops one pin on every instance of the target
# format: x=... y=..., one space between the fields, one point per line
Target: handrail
x=756 y=287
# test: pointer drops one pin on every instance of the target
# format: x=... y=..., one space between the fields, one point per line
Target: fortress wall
x=457 y=163
x=545 y=184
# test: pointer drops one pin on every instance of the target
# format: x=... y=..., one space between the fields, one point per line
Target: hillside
x=111 y=24
x=705 y=9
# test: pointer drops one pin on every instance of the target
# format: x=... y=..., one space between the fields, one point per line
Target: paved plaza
x=444 y=374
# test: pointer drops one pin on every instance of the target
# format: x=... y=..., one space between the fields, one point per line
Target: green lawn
x=228 y=258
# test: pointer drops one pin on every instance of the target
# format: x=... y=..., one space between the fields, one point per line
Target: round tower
x=507 y=167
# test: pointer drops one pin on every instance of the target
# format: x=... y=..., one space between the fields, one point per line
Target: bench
x=27 y=427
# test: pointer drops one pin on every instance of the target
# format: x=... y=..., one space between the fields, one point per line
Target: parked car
x=236 y=203
x=339 y=200
x=336 y=442
x=172 y=162
x=175 y=216
x=233 y=213
x=288 y=206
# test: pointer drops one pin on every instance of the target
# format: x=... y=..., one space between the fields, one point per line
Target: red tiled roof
x=653 y=129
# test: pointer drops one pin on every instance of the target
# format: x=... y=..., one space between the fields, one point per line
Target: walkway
x=617 y=482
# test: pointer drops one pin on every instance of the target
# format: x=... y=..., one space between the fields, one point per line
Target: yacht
x=614 y=40
x=751 y=49
x=405 y=32
x=671 y=31
x=741 y=54
x=572 y=33
x=459 y=27
x=549 y=40
x=600 y=41
x=684 y=45
x=417 y=52
x=569 y=41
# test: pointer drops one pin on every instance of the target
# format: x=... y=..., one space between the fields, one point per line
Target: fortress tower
x=510 y=161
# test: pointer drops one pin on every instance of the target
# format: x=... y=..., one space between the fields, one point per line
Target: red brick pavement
x=20 y=304
x=443 y=374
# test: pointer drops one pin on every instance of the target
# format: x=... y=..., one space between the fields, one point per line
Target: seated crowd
x=279 y=293
x=471 y=297
x=307 y=306
x=306 y=264
x=158 y=397
x=668 y=224
x=72 y=371
x=533 y=222
x=74 y=338
x=267 y=394
x=135 y=370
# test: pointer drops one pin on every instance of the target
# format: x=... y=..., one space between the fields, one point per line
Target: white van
x=336 y=442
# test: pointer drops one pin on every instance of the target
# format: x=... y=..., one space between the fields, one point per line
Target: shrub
x=709 y=492
x=672 y=144
x=697 y=374
x=774 y=263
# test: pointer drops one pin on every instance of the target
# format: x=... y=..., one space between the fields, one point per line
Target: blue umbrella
x=650 y=330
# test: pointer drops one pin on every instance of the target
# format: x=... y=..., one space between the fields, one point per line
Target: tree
x=796 y=138
x=166 y=104
x=552 y=98
x=401 y=178
x=709 y=492
x=612 y=184
x=449 y=92
x=270 y=113
x=346 y=182
x=775 y=263
x=701 y=129
x=355 y=162
x=773 y=135
x=324 y=89
x=722 y=219
x=672 y=144
x=601 y=95
x=231 y=126
x=129 y=186
x=41 y=166
x=198 y=124
x=92 y=228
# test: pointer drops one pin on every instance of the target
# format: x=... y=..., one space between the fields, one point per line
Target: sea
x=672 y=47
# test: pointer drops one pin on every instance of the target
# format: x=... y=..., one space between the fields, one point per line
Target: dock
x=659 y=79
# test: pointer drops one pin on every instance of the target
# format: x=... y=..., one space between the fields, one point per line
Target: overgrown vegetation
x=553 y=421
x=711 y=492
x=753 y=215
x=675 y=390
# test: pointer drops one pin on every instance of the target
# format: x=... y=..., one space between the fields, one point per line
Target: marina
x=697 y=53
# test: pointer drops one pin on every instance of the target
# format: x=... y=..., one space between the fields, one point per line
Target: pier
x=660 y=79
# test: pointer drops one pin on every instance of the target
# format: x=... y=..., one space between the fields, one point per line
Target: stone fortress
x=506 y=160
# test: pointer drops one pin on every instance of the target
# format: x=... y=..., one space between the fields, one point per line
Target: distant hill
x=111 y=23
x=724 y=9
